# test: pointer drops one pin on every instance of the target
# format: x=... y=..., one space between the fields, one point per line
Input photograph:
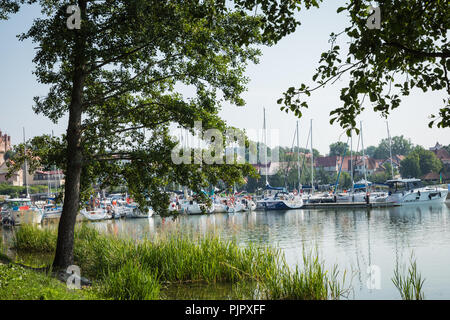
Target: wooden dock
x=349 y=205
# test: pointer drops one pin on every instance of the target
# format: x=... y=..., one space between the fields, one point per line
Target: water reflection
x=352 y=239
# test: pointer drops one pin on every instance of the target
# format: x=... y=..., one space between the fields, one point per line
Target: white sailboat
x=277 y=198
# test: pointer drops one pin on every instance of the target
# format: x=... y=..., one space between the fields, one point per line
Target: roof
x=370 y=163
x=436 y=147
x=50 y=172
x=434 y=176
x=442 y=154
x=329 y=161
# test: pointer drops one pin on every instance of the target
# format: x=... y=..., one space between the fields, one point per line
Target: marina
x=354 y=239
x=224 y=150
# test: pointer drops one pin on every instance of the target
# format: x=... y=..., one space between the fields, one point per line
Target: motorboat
x=52 y=211
x=18 y=211
x=95 y=214
x=193 y=207
x=411 y=191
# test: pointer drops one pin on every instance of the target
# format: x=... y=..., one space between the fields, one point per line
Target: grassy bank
x=18 y=283
x=128 y=269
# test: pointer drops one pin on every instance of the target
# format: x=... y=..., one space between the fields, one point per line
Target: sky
x=289 y=63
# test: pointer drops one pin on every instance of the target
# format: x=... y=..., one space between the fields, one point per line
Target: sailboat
x=277 y=198
x=361 y=189
x=18 y=211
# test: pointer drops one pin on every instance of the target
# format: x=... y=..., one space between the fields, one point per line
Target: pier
x=349 y=205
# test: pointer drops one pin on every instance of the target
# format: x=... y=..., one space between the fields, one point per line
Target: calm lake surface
x=352 y=239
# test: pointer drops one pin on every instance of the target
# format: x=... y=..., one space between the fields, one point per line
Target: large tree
x=420 y=162
x=399 y=146
x=410 y=50
x=338 y=149
x=121 y=72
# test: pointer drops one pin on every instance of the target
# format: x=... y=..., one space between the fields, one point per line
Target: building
x=396 y=159
x=328 y=164
x=435 y=177
x=5 y=146
x=273 y=168
x=442 y=154
x=370 y=165
x=53 y=178
x=436 y=147
x=16 y=179
x=333 y=164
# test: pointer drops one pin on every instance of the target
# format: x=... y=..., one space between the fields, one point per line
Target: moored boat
x=18 y=211
x=412 y=191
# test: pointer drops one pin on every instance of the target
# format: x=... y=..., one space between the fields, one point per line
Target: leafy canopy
x=411 y=50
x=133 y=58
x=420 y=162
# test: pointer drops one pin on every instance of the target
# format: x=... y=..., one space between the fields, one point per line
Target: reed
x=312 y=282
x=32 y=239
x=121 y=267
x=410 y=284
x=130 y=282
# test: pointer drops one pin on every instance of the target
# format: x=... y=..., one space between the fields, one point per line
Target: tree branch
x=424 y=54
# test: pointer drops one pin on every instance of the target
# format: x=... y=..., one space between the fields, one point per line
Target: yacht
x=20 y=211
x=193 y=207
x=411 y=191
x=279 y=199
x=361 y=188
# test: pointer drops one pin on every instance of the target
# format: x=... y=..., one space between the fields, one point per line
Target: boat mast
x=390 y=149
x=265 y=143
x=58 y=176
x=25 y=177
x=312 y=162
x=298 y=158
x=351 y=161
x=364 y=157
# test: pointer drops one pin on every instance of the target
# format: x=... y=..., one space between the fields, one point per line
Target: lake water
x=352 y=239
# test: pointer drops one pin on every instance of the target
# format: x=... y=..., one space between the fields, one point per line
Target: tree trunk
x=74 y=158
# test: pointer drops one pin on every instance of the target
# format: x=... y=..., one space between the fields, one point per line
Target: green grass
x=409 y=284
x=18 y=283
x=128 y=269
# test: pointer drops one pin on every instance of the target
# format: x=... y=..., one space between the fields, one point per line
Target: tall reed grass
x=313 y=282
x=128 y=269
x=409 y=284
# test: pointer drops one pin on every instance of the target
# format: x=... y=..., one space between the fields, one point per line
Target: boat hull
x=18 y=217
x=278 y=205
x=421 y=196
